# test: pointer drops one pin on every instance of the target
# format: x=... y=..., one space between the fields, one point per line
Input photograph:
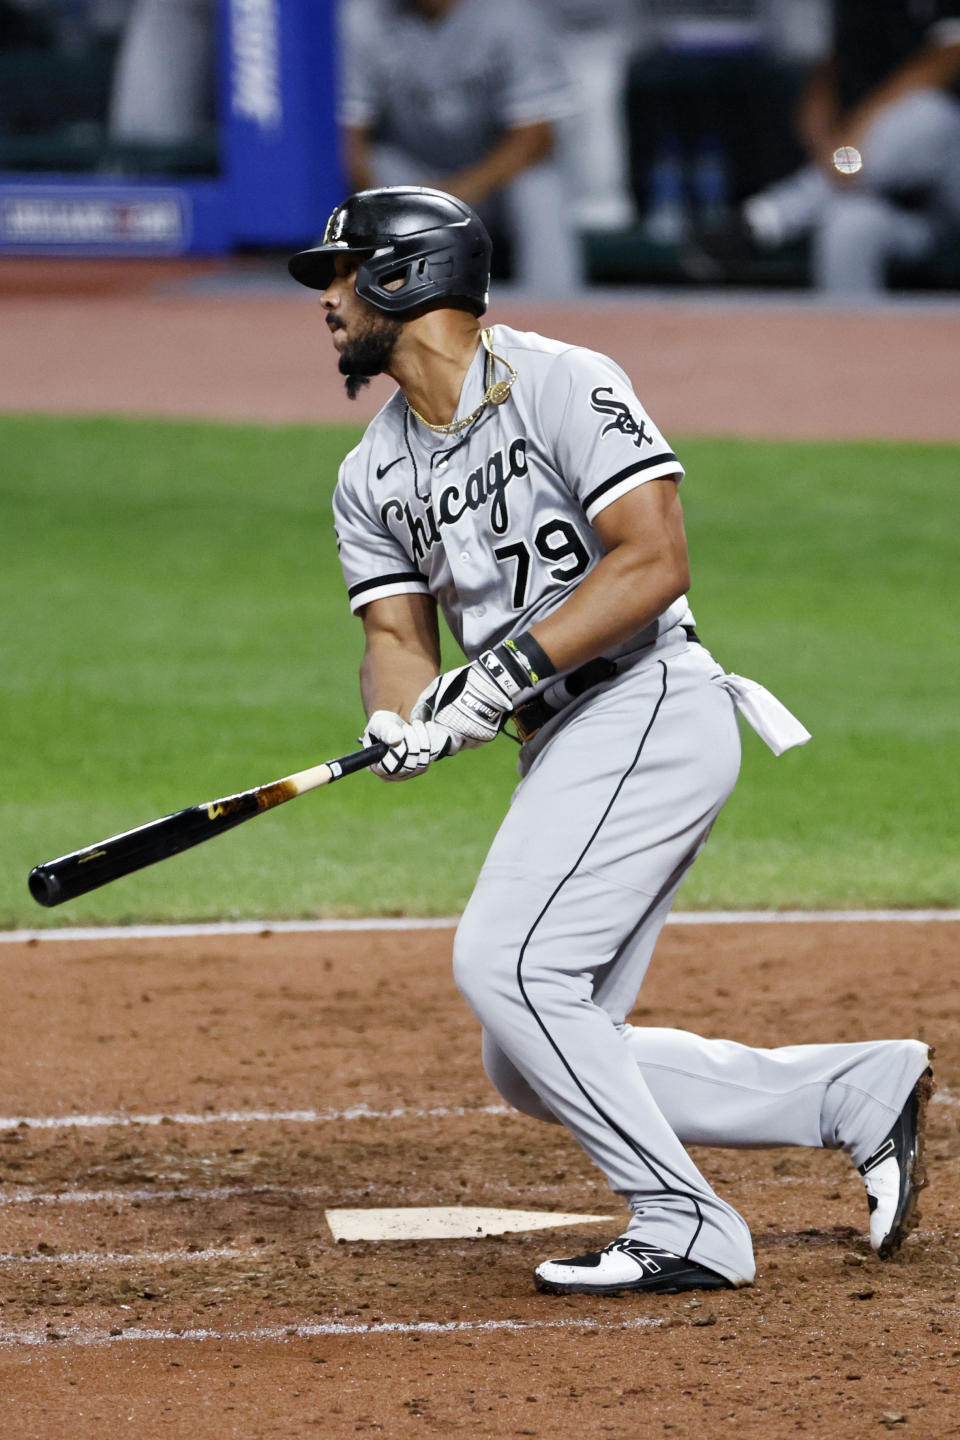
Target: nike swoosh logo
x=382 y=469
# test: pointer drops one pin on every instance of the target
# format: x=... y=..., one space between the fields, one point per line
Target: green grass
x=173 y=627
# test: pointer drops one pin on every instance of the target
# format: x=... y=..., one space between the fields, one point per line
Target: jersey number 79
x=556 y=541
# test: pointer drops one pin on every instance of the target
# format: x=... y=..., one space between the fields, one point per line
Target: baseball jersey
x=495 y=522
x=444 y=91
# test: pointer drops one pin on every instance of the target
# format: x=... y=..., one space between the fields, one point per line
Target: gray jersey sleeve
x=374 y=563
x=604 y=442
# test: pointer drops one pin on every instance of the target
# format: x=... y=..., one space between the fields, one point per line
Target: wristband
x=525 y=661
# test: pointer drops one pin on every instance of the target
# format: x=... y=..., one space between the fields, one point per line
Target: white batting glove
x=473 y=701
x=413 y=745
x=468 y=703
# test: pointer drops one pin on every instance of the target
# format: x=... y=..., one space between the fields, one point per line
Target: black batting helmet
x=430 y=241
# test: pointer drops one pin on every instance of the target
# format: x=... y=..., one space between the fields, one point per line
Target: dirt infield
x=246 y=343
x=175 y=1275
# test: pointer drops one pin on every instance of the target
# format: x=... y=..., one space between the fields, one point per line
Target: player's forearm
x=817 y=112
x=402 y=653
x=644 y=569
x=518 y=150
x=934 y=68
x=620 y=597
x=391 y=678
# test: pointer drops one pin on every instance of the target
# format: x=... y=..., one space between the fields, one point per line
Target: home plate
x=447 y=1222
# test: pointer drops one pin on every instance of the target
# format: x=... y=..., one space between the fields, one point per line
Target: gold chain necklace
x=496 y=393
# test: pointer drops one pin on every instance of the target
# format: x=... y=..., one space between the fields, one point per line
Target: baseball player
x=517 y=484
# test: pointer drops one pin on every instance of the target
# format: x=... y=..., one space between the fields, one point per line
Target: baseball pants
x=619 y=797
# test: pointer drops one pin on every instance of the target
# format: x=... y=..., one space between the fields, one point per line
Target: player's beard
x=368 y=352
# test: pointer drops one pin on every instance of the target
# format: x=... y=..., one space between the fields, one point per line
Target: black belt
x=534 y=714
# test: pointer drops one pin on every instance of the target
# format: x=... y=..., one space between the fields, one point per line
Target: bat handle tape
x=358 y=760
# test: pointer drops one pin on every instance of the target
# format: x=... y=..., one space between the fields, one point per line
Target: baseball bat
x=58 y=880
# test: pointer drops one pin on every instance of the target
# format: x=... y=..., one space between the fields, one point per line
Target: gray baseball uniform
x=619 y=790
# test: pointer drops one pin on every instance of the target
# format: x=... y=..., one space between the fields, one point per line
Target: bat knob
x=44 y=887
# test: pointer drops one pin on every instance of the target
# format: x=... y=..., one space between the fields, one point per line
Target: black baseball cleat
x=626 y=1264
x=895 y=1174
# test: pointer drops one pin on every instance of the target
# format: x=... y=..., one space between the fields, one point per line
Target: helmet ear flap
x=440 y=269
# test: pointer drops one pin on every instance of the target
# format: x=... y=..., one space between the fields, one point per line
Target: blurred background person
x=880 y=124
x=465 y=95
x=598 y=39
x=709 y=98
x=107 y=86
x=163 y=84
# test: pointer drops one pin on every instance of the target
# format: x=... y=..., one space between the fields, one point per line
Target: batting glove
x=473 y=701
x=413 y=745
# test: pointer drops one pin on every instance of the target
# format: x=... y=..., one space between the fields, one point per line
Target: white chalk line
x=108 y=1259
x=24 y=1195
x=244 y=1117
x=119 y=1120
x=227 y=927
x=449 y=922
x=74 y=1335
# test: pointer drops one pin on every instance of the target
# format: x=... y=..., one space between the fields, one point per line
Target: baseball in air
x=847 y=159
